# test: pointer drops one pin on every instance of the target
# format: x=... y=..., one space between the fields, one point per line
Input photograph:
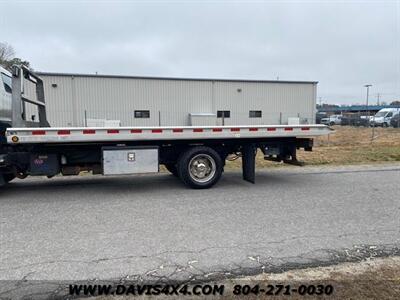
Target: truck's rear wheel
x=200 y=167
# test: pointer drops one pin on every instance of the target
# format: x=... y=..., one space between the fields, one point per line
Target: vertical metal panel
x=171 y=101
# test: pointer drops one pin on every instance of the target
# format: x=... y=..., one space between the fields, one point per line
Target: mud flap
x=2 y=181
x=249 y=163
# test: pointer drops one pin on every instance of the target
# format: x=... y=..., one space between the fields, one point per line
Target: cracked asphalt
x=152 y=228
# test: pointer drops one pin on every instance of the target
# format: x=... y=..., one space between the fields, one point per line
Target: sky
x=341 y=44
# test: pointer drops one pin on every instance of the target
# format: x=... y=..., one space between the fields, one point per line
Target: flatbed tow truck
x=196 y=155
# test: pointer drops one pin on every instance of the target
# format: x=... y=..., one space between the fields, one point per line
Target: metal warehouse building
x=76 y=99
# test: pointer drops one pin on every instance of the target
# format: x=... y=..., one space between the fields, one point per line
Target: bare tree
x=7 y=53
x=7 y=57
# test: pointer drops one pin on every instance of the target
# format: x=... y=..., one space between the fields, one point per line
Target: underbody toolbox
x=44 y=164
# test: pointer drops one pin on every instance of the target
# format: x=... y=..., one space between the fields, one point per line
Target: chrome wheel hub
x=202 y=168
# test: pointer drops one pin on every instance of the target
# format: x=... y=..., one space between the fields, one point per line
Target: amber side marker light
x=15 y=139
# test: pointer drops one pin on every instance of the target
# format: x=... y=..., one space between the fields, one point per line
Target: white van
x=383 y=117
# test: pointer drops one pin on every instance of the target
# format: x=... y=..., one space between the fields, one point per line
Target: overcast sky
x=341 y=44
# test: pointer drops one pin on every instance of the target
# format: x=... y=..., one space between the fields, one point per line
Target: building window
x=223 y=114
x=255 y=114
x=143 y=114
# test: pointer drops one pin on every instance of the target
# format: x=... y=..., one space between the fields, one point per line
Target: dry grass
x=348 y=145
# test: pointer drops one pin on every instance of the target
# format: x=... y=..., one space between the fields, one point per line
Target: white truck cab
x=383 y=117
x=5 y=96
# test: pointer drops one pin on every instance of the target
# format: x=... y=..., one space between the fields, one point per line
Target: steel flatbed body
x=121 y=134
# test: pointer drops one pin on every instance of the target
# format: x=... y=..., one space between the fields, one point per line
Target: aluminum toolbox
x=130 y=160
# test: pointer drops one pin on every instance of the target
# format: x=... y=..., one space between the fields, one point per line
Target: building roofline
x=171 y=78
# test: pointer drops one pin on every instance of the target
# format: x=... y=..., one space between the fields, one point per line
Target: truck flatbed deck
x=118 y=134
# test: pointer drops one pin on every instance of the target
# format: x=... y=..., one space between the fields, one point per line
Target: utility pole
x=320 y=101
x=378 y=97
x=367 y=86
x=373 y=124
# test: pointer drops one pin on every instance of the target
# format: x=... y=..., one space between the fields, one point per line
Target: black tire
x=211 y=164
x=385 y=125
x=172 y=169
x=331 y=123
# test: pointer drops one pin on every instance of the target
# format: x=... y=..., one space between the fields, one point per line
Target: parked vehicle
x=383 y=117
x=319 y=116
x=332 y=120
x=195 y=154
x=395 y=121
x=354 y=120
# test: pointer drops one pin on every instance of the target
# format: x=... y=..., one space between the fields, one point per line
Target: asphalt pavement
x=152 y=228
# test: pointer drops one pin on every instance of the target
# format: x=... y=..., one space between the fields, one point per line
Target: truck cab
x=5 y=99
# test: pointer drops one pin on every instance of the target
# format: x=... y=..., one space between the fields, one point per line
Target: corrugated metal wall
x=171 y=101
x=277 y=101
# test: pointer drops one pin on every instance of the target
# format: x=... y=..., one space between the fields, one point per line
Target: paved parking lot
x=153 y=228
